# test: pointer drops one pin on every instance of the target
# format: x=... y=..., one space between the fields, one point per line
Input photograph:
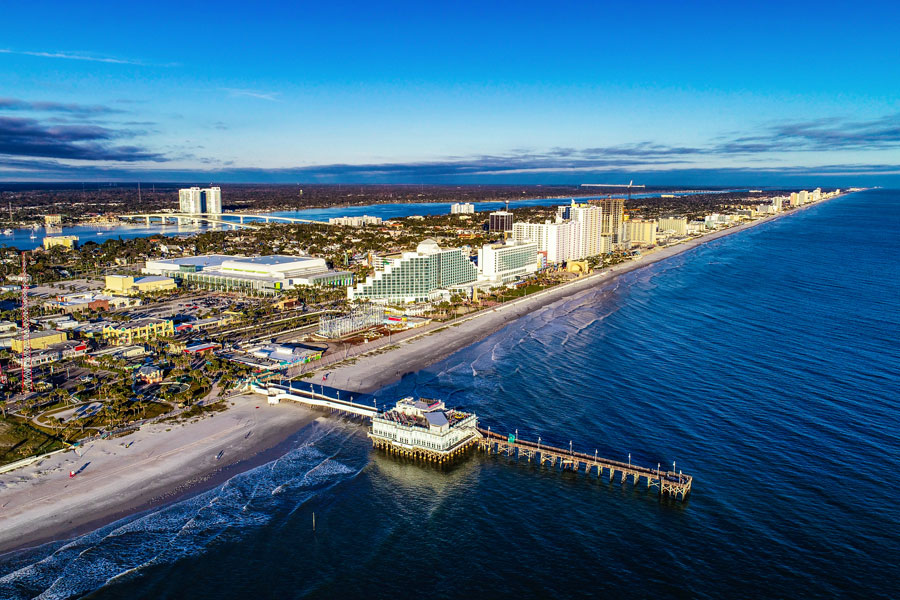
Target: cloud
x=11 y=104
x=30 y=138
x=819 y=135
x=238 y=92
x=74 y=56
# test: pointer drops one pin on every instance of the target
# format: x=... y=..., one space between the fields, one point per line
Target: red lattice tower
x=27 y=384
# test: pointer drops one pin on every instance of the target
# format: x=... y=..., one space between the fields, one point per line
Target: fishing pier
x=668 y=483
x=427 y=430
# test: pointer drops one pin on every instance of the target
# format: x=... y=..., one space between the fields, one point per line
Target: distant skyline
x=403 y=92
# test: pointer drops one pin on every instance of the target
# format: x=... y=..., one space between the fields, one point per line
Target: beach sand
x=371 y=371
x=153 y=466
x=165 y=461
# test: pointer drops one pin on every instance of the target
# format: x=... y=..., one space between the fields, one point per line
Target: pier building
x=424 y=429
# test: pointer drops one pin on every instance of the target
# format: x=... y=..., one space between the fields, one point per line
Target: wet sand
x=151 y=467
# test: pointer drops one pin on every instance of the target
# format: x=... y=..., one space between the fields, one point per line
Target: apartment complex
x=554 y=239
x=500 y=220
x=466 y=208
x=355 y=221
x=417 y=276
x=673 y=225
x=613 y=217
x=641 y=232
x=196 y=201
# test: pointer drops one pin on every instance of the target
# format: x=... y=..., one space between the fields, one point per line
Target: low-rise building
x=52 y=220
x=464 y=208
x=129 y=286
x=54 y=353
x=424 y=426
x=141 y=330
x=150 y=374
x=69 y=242
x=355 y=221
x=39 y=340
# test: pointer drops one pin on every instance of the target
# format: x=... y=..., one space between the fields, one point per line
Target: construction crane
x=27 y=384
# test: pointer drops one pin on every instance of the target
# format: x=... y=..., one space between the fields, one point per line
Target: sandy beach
x=371 y=371
x=152 y=466
x=165 y=461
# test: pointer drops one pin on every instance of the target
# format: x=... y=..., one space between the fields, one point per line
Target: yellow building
x=66 y=241
x=640 y=232
x=125 y=284
x=137 y=331
x=39 y=340
x=51 y=220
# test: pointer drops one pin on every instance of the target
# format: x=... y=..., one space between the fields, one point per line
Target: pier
x=668 y=483
x=427 y=430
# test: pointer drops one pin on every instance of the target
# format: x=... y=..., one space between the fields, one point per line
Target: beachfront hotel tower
x=417 y=276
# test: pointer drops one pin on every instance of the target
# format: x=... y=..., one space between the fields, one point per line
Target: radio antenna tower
x=27 y=384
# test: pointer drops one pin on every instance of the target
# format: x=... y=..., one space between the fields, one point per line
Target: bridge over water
x=226 y=219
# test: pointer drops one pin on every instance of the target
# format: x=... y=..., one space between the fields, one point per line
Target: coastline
x=165 y=462
x=151 y=467
x=366 y=373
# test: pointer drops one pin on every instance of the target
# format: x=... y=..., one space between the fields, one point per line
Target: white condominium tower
x=195 y=201
x=556 y=239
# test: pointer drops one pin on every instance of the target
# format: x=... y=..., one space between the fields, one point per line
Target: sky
x=679 y=93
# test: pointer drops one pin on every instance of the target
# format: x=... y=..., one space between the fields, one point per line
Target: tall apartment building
x=212 y=200
x=589 y=224
x=553 y=238
x=500 y=220
x=416 y=276
x=803 y=197
x=675 y=225
x=466 y=208
x=613 y=217
x=194 y=200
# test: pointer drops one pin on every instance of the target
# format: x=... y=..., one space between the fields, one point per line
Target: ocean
x=764 y=363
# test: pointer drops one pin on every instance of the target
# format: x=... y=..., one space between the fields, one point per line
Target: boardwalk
x=668 y=483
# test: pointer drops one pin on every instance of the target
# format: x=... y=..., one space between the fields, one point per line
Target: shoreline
x=168 y=466
x=152 y=467
x=369 y=372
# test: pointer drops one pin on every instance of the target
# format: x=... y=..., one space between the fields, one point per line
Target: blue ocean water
x=765 y=363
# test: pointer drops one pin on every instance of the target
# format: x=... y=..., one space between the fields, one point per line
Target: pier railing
x=669 y=483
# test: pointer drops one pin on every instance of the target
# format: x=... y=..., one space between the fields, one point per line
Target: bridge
x=217 y=218
x=296 y=391
x=675 y=485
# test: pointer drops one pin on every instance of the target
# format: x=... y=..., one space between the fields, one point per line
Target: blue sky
x=663 y=92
